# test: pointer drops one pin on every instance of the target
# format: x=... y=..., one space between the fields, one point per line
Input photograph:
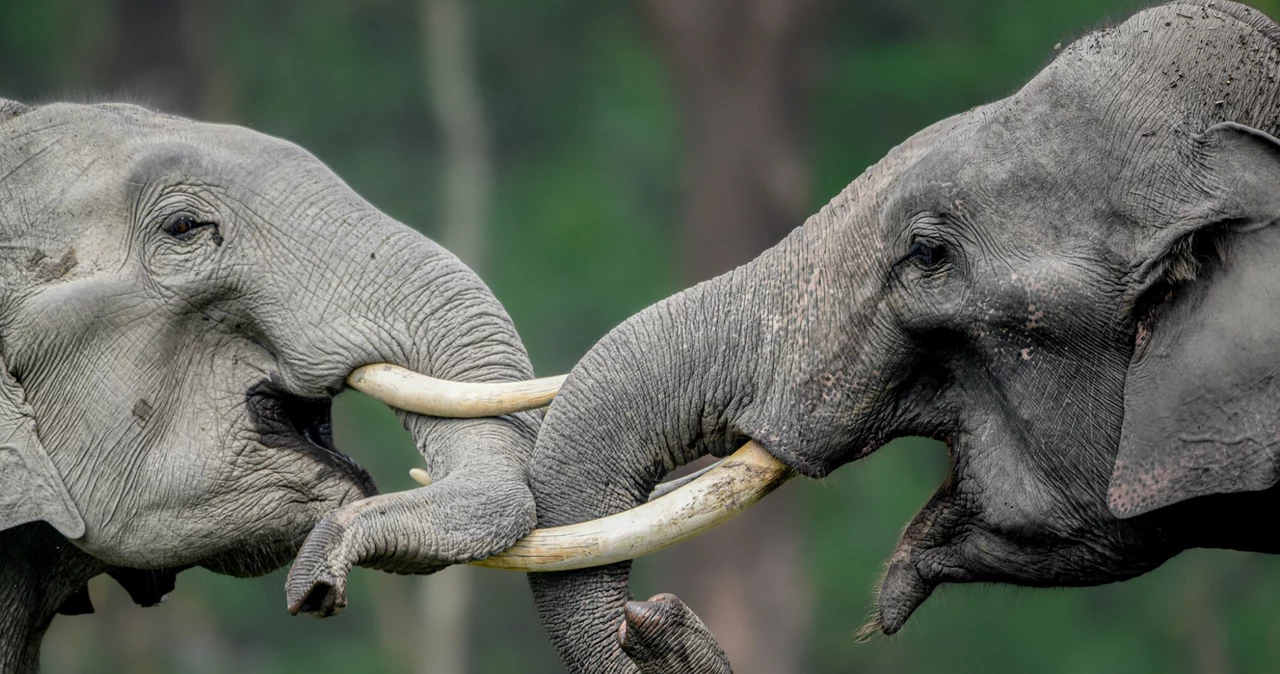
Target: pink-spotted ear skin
x=1202 y=394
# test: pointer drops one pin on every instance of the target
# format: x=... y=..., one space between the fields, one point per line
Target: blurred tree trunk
x=459 y=109
x=1200 y=623
x=742 y=69
x=164 y=55
x=454 y=88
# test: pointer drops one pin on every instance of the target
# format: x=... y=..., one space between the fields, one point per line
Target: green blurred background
x=589 y=158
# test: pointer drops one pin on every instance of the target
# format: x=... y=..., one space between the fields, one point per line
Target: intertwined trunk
x=596 y=464
x=685 y=378
x=790 y=350
x=383 y=293
x=417 y=306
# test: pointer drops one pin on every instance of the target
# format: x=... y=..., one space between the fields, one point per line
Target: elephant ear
x=30 y=487
x=1202 y=394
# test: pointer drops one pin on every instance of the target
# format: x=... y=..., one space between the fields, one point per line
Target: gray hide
x=178 y=304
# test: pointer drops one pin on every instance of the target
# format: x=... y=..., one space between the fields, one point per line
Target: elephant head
x=179 y=302
x=1047 y=283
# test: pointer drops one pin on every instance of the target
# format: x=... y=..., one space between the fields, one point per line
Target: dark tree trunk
x=742 y=69
x=163 y=55
x=453 y=87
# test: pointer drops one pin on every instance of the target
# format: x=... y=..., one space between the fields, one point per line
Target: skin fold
x=1015 y=280
x=178 y=304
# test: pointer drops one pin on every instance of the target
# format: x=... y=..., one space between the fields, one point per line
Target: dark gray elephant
x=178 y=304
x=1079 y=272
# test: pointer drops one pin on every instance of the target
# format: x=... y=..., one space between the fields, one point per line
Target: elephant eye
x=182 y=224
x=927 y=253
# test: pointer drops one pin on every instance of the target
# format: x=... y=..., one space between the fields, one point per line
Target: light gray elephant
x=178 y=304
x=1074 y=287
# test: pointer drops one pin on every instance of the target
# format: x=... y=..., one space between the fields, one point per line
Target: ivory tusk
x=421 y=477
x=413 y=392
x=711 y=499
x=677 y=510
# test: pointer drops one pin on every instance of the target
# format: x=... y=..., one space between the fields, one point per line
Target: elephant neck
x=1222 y=521
x=40 y=571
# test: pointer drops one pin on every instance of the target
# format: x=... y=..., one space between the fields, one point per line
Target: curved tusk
x=711 y=499
x=676 y=511
x=414 y=392
x=421 y=477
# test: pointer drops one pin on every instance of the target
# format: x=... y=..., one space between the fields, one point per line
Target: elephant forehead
x=114 y=151
x=147 y=143
x=1002 y=165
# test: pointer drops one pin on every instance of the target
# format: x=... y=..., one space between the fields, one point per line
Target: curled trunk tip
x=664 y=635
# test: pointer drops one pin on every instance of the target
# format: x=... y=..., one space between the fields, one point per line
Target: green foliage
x=584 y=225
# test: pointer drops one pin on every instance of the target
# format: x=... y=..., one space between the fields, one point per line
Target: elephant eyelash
x=184 y=226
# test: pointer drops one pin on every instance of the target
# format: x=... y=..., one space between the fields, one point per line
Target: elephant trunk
x=779 y=351
x=414 y=305
x=680 y=380
x=655 y=419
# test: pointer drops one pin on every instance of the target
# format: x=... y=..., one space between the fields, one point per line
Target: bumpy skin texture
x=991 y=283
x=178 y=304
x=662 y=635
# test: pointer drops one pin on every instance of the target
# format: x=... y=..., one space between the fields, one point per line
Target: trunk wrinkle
x=653 y=395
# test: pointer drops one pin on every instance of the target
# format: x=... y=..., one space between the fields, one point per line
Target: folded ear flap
x=1202 y=394
x=11 y=109
x=30 y=487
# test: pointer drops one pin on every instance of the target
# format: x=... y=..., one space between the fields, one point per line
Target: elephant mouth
x=290 y=421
